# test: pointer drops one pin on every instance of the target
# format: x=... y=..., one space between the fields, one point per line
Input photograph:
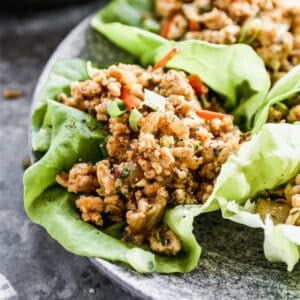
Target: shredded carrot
x=196 y=83
x=129 y=99
x=167 y=27
x=162 y=62
x=209 y=115
x=193 y=25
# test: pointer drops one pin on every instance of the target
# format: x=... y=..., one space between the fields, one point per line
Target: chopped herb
x=204 y=9
x=100 y=192
x=124 y=173
x=217 y=151
x=197 y=147
x=161 y=238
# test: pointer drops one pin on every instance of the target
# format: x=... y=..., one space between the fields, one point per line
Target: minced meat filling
x=170 y=154
x=271 y=27
x=285 y=112
x=282 y=204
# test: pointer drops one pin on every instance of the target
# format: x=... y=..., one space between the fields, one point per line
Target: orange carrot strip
x=162 y=62
x=209 y=115
x=193 y=25
x=167 y=27
x=197 y=85
x=130 y=100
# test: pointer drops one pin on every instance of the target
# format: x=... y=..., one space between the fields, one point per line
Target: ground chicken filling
x=164 y=149
x=271 y=27
x=287 y=112
x=282 y=204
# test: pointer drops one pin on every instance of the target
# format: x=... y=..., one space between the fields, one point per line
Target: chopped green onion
x=244 y=38
x=134 y=117
x=151 y=24
x=204 y=8
x=216 y=151
x=197 y=147
x=168 y=140
x=154 y=101
x=124 y=173
x=100 y=192
x=116 y=108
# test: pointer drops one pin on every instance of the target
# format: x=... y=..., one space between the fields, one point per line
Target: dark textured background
x=36 y=266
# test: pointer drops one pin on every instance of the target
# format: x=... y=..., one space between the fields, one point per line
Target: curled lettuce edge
x=270 y=159
x=129 y=12
x=63 y=73
x=286 y=87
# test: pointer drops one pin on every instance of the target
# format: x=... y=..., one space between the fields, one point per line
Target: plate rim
x=106 y=268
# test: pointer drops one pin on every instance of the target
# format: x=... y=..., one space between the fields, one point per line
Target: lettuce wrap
x=186 y=20
x=243 y=83
x=270 y=159
x=64 y=136
x=283 y=90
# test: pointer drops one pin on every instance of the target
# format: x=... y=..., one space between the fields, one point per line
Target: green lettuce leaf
x=59 y=80
x=129 y=12
x=269 y=159
x=242 y=83
x=136 y=41
x=283 y=89
x=67 y=135
x=76 y=136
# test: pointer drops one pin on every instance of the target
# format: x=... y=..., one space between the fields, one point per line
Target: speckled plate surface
x=232 y=264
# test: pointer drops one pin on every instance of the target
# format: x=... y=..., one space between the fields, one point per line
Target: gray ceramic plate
x=232 y=265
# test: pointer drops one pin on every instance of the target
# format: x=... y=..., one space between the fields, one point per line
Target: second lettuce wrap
x=270 y=159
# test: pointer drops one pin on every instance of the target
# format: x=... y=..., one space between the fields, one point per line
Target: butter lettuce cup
x=131 y=153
